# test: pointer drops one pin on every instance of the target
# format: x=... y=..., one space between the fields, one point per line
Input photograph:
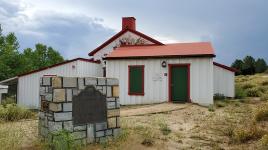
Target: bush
x=261 y=113
x=12 y=112
x=219 y=96
x=253 y=92
x=239 y=92
x=220 y=103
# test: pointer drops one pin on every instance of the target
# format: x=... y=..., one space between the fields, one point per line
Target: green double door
x=179 y=83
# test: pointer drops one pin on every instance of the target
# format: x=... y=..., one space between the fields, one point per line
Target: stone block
x=112 y=122
x=79 y=128
x=69 y=95
x=103 y=91
x=101 y=81
x=48 y=97
x=90 y=133
x=76 y=92
x=59 y=95
x=111 y=105
x=55 y=107
x=99 y=134
x=63 y=116
x=46 y=81
x=68 y=125
x=113 y=113
x=67 y=106
x=117 y=131
x=117 y=103
x=54 y=126
x=43 y=131
x=69 y=82
x=81 y=84
x=79 y=134
x=41 y=115
x=56 y=82
x=49 y=89
x=117 y=121
x=115 y=90
x=109 y=132
x=101 y=126
x=112 y=81
x=108 y=91
x=42 y=90
x=90 y=81
x=110 y=99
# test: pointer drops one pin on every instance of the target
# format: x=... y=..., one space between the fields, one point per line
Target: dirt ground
x=187 y=126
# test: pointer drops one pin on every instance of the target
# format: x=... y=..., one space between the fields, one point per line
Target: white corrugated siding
x=223 y=81
x=156 y=84
x=28 y=85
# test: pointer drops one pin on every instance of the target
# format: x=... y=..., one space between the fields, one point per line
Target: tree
x=238 y=64
x=261 y=65
x=248 y=66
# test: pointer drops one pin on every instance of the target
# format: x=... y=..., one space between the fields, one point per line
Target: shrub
x=253 y=92
x=261 y=113
x=239 y=92
x=219 y=96
x=12 y=112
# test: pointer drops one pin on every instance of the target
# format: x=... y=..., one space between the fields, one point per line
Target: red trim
x=225 y=67
x=121 y=33
x=169 y=79
x=129 y=93
x=160 y=56
x=59 y=64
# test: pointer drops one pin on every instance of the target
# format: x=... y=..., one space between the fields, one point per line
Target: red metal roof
x=58 y=64
x=225 y=67
x=121 y=33
x=168 y=50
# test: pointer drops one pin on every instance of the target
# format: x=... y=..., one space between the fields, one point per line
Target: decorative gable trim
x=121 y=33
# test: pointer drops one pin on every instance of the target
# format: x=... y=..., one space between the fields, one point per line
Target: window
x=136 y=80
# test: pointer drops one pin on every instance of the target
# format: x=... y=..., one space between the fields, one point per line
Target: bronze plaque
x=89 y=106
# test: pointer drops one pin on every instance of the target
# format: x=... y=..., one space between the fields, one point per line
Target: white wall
x=28 y=85
x=110 y=47
x=223 y=81
x=156 y=84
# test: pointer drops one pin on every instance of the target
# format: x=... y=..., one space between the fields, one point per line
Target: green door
x=179 y=83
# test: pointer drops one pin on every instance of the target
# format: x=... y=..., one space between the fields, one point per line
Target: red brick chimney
x=128 y=23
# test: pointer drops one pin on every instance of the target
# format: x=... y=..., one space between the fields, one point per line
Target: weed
x=220 y=103
x=261 y=113
x=147 y=142
x=8 y=100
x=211 y=108
x=164 y=128
x=12 y=112
x=264 y=97
x=264 y=141
x=264 y=83
x=247 y=86
x=63 y=140
x=246 y=133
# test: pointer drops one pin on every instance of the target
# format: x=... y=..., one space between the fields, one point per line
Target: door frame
x=169 y=80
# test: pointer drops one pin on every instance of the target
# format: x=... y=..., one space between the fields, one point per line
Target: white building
x=28 y=84
x=148 y=70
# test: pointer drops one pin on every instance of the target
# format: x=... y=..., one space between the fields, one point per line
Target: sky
x=235 y=28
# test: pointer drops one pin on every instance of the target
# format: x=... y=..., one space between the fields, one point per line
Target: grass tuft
x=12 y=112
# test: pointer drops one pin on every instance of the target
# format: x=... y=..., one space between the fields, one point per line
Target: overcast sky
x=235 y=27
